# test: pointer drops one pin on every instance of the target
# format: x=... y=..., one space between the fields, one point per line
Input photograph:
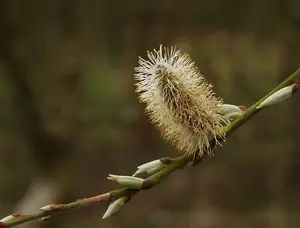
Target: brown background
x=69 y=114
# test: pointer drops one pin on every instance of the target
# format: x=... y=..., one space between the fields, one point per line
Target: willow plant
x=184 y=108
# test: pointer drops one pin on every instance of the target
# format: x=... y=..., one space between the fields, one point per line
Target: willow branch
x=173 y=164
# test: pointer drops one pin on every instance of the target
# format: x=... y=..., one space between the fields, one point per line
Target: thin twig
x=174 y=164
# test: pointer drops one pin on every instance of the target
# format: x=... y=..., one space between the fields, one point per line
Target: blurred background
x=69 y=113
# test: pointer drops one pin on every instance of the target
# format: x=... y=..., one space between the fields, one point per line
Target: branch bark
x=173 y=164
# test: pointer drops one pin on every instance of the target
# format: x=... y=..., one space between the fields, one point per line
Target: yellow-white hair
x=179 y=101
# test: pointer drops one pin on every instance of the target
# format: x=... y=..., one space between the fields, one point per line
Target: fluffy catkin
x=179 y=101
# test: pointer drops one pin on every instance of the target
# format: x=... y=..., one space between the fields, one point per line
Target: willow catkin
x=179 y=101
